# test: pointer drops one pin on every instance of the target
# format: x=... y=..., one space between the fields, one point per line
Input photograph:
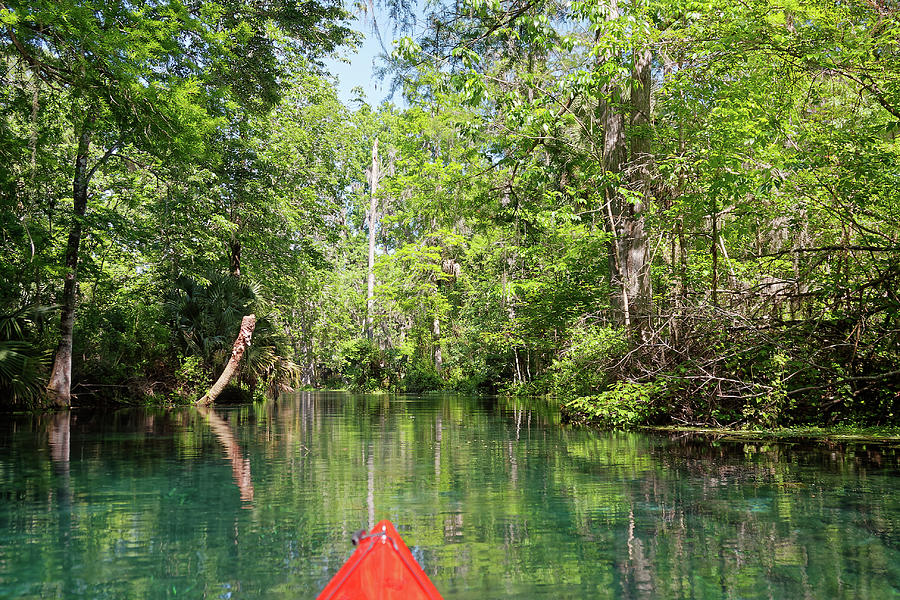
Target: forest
x=680 y=212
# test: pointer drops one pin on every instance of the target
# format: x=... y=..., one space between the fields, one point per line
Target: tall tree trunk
x=714 y=246
x=32 y=194
x=614 y=150
x=309 y=362
x=234 y=256
x=373 y=206
x=33 y=138
x=681 y=279
x=59 y=389
x=636 y=272
x=436 y=332
x=242 y=342
x=629 y=273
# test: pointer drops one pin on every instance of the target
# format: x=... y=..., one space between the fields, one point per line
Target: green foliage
x=206 y=318
x=746 y=216
x=123 y=342
x=172 y=99
x=624 y=405
x=23 y=364
x=587 y=364
x=365 y=367
x=280 y=375
x=421 y=376
x=769 y=407
x=191 y=379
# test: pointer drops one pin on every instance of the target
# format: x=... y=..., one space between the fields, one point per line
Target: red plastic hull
x=381 y=568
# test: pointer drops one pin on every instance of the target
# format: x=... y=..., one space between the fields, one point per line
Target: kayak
x=381 y=568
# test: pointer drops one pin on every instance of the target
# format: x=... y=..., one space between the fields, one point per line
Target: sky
x=358 y=72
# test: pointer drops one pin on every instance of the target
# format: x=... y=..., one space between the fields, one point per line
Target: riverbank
x=889 y=435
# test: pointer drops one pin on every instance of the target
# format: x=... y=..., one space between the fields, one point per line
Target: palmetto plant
x=23 y=364
x=206 y=316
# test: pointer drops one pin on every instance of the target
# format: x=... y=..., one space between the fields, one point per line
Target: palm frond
x=207 y=315
x=23 y=364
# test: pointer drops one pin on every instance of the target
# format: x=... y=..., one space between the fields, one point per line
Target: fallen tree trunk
x=248 y=323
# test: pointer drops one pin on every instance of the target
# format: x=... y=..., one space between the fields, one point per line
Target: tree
x=153 y=78
x=710 y=151
x=374 y=176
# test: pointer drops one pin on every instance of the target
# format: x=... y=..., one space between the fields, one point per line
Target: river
x=495 y=498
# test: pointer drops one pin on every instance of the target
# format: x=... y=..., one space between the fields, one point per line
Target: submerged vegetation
x=659 y=212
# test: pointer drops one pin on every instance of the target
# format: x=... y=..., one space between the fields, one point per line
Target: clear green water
x=494 y=497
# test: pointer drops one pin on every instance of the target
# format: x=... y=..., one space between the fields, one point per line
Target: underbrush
x=721 y=375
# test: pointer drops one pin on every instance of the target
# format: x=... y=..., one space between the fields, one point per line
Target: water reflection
x=58 y=434
x=494 y=498
x=240 y=466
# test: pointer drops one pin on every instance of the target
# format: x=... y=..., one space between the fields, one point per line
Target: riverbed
x=495 y=497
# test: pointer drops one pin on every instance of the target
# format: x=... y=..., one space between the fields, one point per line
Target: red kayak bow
x=381 y=568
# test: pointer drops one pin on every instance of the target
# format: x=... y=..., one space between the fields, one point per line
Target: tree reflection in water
x=494 y=497
x=240 y=466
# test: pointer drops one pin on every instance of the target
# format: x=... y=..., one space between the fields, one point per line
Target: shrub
x=626 y=404
x=422 y=377
x=584 y=367
x=23 y=364
x=366 y=367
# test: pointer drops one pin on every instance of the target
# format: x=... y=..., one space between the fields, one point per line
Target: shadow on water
x=494 y=497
